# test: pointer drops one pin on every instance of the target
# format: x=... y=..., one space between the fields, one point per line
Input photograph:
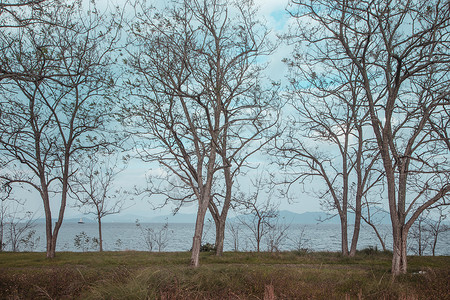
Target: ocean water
x=127 y=236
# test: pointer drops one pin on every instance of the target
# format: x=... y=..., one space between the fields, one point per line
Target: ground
x=242 y=275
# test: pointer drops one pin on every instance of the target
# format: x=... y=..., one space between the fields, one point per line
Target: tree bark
x=100 y=239
x=399 y=258
x=197 y=240
x=344 y=235
x=356 y=229
x=220 y=236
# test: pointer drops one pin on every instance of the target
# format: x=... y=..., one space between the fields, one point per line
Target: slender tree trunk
x=356 y=229
x=220 y=236
x=100 y=239
x=258 y=235
x=62 y=208
x=436 y=233
x=197 y=240
x=383 y=245
x=1 y=234
x=344 y=235
x=221 y=218
x=357 y=225
x=361 y=181
x=48 y=225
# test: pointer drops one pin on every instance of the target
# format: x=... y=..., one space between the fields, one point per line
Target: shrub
x=208 y=248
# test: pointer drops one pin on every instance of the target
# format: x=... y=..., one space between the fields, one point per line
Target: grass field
x=287 y=275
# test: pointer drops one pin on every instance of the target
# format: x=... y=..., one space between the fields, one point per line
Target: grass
x=243 y=275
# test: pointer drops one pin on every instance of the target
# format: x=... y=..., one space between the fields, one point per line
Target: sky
x=277 y=21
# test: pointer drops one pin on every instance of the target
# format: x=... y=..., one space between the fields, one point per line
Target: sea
x=178 y=237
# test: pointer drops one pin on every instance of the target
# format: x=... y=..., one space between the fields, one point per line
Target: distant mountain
x=126 y=218
x=178 y=218
x=68 y=220
x=285 y=216
x=290 y=217
x=308 y=217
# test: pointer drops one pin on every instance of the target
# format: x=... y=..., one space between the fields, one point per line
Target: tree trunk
x=376 y=232
x=258 y=235
x=48 y=227
x=344 y=235
x=197 y=240
x=220 y=236
x=62 y=208
x=221 y=218
x=100 y=239
x=399 y=258
x=1 y=234
x=358 y=213
x=356 y=230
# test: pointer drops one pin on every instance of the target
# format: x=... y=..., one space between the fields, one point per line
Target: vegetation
x=287 y=275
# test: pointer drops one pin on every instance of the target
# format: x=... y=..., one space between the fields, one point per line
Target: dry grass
x=140 y=275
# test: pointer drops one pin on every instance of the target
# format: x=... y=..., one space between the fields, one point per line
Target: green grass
x=243 y=275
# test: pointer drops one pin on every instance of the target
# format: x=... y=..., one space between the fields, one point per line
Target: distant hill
x=178 y=218
x=285 y=216
x=68 y=220
x=308 y=217
x=290 y=217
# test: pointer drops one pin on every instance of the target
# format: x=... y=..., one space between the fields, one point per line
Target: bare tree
x=425 y=232
x=400 y=52
x=372 y=218
x=159 y=237
x=94 y=187
x=326 y=138
x=436 y=228
x=197 y=79
x=19 y=226
x=234 y=230
x=57 y=108
x=259 y=215
x=277 y=234
x=249 y=125
x=418 y=233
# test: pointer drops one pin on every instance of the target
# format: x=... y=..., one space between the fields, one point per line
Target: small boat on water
x=81 y=221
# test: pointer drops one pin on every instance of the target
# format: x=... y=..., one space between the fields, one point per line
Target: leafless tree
x=436 y=227
x=418 y=234
x=152 y=236
x=326 y=139
x=399 y=51
x=301 y=241
x=259 y=213
x=277 y=235
x=371 y=217
x=19 y=226
x=58 y=107
x=94 y=187
x=426 y=230
x=197 y=79
x=250 y=124
x=234 y=230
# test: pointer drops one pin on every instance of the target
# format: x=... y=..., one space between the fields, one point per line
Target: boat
x=81 y=221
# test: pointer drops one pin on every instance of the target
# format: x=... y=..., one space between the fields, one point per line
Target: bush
x=83 y=242
x=370 y=250
x=208 y=248
x=301 y=251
